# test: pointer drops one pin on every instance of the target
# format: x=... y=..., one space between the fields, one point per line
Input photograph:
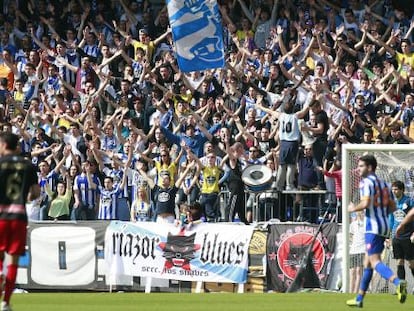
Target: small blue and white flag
x=198 y=34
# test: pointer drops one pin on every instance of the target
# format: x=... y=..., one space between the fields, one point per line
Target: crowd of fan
x=94 y=90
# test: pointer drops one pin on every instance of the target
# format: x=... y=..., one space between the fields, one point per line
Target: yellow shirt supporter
x=170 y=169
x=148 y=48
x=211 y=177
x=405 y=63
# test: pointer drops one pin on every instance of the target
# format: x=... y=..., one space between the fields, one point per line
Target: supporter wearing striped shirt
x=89 y=44
x=85 y=193
x=47 y=177
x=123 y=202
x=84 y=73
x=109 y=197
x=71 y=58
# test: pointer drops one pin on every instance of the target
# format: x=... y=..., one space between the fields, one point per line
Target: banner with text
x=205 y=252
x=198 y=34
x=286 y=247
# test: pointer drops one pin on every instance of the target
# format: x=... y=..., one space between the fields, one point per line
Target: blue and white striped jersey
x=108 y=202
x=379 y=195
x=87 y=195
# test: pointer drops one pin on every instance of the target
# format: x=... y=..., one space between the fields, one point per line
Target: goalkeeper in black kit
x=403 y=248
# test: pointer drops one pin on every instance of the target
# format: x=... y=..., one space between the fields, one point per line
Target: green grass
x=200 y=302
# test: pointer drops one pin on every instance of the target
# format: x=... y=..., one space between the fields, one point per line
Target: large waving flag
x=198 y=34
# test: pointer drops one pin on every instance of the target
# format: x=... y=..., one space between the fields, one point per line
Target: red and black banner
x=287 y=247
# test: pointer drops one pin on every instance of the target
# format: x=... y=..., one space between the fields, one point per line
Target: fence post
x=148 y=282
x=199 y=284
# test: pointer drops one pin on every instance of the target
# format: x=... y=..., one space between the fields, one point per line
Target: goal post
x=395 y=161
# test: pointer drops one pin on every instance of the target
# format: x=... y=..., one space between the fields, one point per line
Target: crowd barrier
x=286 y=205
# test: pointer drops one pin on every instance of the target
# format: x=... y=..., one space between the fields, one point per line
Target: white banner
x=63 y=255
x=205 y=252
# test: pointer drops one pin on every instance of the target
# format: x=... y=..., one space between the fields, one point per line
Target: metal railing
x=288 y=205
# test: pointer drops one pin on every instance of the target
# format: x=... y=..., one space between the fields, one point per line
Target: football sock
x=384 y=271
x=396 y=281
x=10 y=282
x=401 y=272
x=366 y=278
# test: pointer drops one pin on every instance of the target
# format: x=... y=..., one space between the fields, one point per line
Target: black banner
x=286 y=247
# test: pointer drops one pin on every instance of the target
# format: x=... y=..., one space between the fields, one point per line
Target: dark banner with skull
x=287 y=247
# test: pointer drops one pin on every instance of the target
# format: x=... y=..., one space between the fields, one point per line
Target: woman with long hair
x=141 y=206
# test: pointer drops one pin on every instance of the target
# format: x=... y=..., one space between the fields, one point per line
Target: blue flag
x=198 y=34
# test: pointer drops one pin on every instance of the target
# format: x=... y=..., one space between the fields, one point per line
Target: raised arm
x=195 y=178
x=84 y=16
x=124 y=177
x=247 y=12
x=149 y=180
x=242 y=129
x=170 y=136
x=375 y=15
x=308 y=48
x=184 y=174
x=34 y=192
x=37 y=41
x=407 y=35
x=35 y=153
x=384 y=45
x=102 y=85
x=50 y=27
x=180 y=154
x=205 y=132
x=66 y=64
x=279 y=32
x=68 y=86
x=347 y=49
x=361 y=42
x=162 y=37
x=144 y=157
x=128 y=12
x=59 y=165
x=111 y=59
x=273 y=113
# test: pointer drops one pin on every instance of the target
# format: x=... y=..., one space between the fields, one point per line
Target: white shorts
x=165 y=220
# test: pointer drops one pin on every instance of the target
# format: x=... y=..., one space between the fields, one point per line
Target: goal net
x=395 y=162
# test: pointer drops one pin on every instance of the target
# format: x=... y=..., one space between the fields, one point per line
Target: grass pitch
x=200 y=302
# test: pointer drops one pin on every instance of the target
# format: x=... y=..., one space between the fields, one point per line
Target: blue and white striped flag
x=198 y=34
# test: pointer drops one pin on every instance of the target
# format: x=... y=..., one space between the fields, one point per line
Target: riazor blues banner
x=198 y=34
x=204 y=252
x=286 y=247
